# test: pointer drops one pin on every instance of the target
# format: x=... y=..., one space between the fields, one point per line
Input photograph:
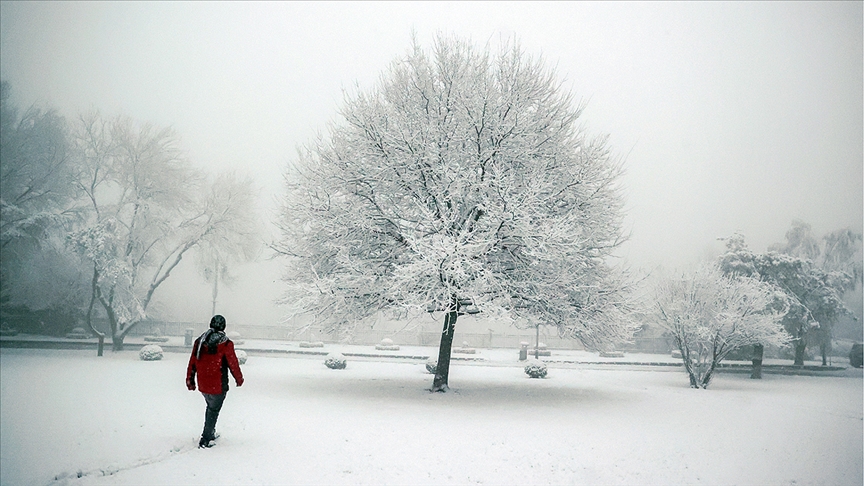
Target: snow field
x=119 y=420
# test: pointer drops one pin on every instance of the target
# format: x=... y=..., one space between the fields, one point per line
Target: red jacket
x=212 y=369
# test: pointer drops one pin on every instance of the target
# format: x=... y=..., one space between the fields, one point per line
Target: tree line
x=462 y=182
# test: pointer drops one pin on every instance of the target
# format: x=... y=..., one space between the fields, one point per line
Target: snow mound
x=241 y=356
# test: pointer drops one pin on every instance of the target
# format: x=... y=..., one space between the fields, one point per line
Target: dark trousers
x=214 y=405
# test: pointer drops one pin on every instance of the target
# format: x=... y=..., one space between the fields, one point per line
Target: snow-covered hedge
x=78 y=333
x=335 y=361
x=150 y=352
x=431 y=365
x=307 y=344
x=241 y=356
x=536 y=369
x=465 y=349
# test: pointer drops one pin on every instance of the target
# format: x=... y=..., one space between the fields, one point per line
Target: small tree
x=710 y=314
x=461 y=182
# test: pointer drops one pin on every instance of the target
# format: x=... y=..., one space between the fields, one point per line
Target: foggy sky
x=730 y=116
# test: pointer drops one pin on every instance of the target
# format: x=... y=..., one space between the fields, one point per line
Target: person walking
x=212 y=357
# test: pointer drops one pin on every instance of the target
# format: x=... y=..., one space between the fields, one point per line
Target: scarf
x=212 y=339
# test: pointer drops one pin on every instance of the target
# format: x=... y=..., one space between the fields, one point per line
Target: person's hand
x=190 y=384
x=239 y=382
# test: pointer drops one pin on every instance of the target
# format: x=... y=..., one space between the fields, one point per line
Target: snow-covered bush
x=335 y=361
x=386 y=344
x=241 y=356
x=536 y=369
x=431 y=365
x=150 y=352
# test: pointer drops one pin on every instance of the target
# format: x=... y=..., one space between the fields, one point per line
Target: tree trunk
x=800 y=346
x=215 y=290
x=706 y=378
x=537 y=343
x=117 y=342
x=442 y=369
x=758 y=352
x=101 y=335
x=823 y=347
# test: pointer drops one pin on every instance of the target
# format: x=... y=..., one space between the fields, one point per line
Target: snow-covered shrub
x=431 y=365
x=241 y=356
x=150 y=352
x=536 y=369
x=335 y=361
x=386 y=344
x=234 y=336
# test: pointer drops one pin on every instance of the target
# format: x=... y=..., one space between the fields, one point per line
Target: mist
x=730 y=117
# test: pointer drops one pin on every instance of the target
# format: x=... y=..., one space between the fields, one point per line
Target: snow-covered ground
x=119 y=420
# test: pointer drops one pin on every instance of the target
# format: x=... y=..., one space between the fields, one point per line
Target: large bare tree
x=461 y=182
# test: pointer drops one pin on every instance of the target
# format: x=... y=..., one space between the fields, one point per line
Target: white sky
x=732 y=116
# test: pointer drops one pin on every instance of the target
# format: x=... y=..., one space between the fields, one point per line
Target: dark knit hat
x=217 y=323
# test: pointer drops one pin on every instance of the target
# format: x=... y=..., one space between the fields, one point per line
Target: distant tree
x=814 y=296
x=36 y=204
x=800 y=242
x=710 y=314
x=148 y=208
x=235 y=242
x=462 y=182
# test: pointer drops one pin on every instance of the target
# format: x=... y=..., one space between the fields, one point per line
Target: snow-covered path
x=118 y=420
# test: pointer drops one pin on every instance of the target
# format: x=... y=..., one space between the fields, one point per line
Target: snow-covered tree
x=814 y=295
x=36 y=203
x=461 y=182
x=148 y=208
x=36 y=170
x=709 y=314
